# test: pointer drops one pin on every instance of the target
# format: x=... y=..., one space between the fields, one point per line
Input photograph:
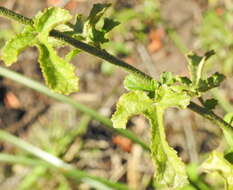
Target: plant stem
x=208 y=114
x=78 y=44
x=17 y=17
x=113 y=60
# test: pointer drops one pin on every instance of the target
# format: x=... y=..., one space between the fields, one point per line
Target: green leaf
x=71 y=54
x=97 y=12
x=167 y=78
x=109 y=24
x=228 y=133
x=217 y=163
x=78 y=26
x=170 y=170
x=196 y=64
x=59 y=74
x=229 y=157
x=93 y=34
x=184 y=80
x=210 y=103
x=130 y=104
x=174 y=96
x=16 y=45
x=45 y=21
x=133 y=82
x=211 y=82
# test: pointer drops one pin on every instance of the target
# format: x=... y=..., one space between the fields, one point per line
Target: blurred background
x=154 y=37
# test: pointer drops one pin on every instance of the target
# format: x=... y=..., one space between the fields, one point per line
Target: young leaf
x=174 y=96
x=17 y=44
x=59 y=74
x=133 y=82
x=71 y=54
x=211 y=82
x=210 y=103
x=109 y=24
x=90 y=32
x=45 y=21
x=196 y=64
x=132 y=103
x=170 y=171
x=97 y=12
x=217 y=163
x=228 y=133
x=167 y=78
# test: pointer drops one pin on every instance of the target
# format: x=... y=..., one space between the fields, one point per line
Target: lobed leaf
x=170 y=170
x=109 y=24
x=59 y=74
x=211 y=82
x=174 y=96
x=196 y=64
x=132 y=103
x=71 y=54
x=133 y=82
x=217 y=163
x=16 y=45
x=210 y=103
x=167 y=78
x=45 y=21
x=97 y=12
x=228 y=133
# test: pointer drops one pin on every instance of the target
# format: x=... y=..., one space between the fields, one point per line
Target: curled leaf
x=170 y=170
x=210 y=103
x=59 y=74
x=45 y=21
x=16 y=45
x=130 y=104
x=196 y=65
x=211 y=82
x=133 y=82
x=217 y=163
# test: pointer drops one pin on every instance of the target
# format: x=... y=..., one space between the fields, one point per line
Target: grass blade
x=67 y=169
x=94 y=114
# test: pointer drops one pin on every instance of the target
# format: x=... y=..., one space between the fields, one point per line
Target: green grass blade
x=67 y=169
x=94 y=114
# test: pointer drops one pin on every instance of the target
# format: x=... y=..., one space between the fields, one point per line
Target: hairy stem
x=78 y=44
x=113 y=60
x=210 y=116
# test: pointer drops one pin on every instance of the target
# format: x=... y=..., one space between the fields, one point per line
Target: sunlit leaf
x=228 y=133
x=174 y=96
x=196 y=64
x=133 y=82
x=211 y=82
x=97 y=12
x=217 y=163
x=59 y=74
x=71 y=54
x=130 y=104
x=170 y=170
x=16 y=45
x=167 y=78
x=45 y=21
